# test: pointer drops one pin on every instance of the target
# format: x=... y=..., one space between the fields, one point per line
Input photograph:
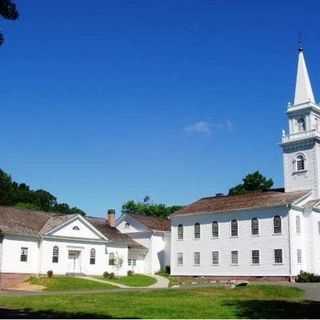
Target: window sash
x=278 y=259
x=215 y=229
x=112 y=259
x=180 y=259
x=255 y=256
x=299 y=256
x=277 y=224
x=55 y=254
x=254 y=226
x=234 y=228
x=180 y=232
x=196 y=258
x=234 y=257
x=24 y=254
x=197 y=231
x=298 y=224
x=215 y=257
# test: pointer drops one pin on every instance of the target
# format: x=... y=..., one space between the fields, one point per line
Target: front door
x=74 y=265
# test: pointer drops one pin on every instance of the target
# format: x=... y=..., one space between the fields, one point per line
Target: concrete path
x=311 y=290
x=161 y=283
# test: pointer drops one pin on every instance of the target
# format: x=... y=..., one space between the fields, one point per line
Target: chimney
x=111 y=217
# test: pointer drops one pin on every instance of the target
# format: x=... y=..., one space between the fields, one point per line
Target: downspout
x=289 y=247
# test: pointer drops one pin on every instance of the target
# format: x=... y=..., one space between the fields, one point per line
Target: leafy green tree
x=252 y=182
x=9 y=11
x=148 y=209
x=6 y=188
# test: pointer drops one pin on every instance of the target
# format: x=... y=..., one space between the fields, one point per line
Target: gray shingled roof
x=36 y=223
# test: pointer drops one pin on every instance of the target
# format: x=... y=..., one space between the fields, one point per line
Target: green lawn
x=60 y=283
x=263 y=301
x=136 y=280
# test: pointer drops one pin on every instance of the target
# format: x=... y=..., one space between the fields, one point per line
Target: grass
x=136 y=280
x=256 y=301
x=60 y=283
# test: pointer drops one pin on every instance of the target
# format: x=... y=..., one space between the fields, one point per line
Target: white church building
x=263 y=235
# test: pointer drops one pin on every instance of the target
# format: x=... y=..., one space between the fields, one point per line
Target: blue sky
x=107 y=101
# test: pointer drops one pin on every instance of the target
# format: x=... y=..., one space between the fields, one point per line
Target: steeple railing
x=302 y=135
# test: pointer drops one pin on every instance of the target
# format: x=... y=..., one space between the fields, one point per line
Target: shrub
x=106 y=274
x=167 y=269
x=50 y=274
x=307 y=277
x=111 y=275
x=130 y=273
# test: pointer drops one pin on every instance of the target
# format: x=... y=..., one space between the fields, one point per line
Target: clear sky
x=107 y=101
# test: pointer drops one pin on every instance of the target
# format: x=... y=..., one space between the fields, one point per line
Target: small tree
x=252 y=182
x=8 y=11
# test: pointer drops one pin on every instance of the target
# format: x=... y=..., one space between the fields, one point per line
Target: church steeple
x=303 y=92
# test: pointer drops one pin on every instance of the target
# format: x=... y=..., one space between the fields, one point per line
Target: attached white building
x=272 y=234
x=152 y=233
x=35 y=242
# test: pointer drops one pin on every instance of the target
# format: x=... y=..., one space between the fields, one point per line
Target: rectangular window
x=255 y=256
x=129 y=262
x=180 y=258
x=197 y=230
x=234 y=257
x=196 y=258
x=298 y=224
x=24 y=254
x=299 y=256
x=254 y=226
x=215 y=229
x=234 y=228
x=132 y=262
x=112 y=260
x=278 y=256
x=180 y=232
x=215 y=257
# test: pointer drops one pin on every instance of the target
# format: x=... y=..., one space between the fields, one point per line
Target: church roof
x=36 y=223
x=252 y=200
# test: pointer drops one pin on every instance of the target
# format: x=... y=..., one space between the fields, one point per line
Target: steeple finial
x=303 y=92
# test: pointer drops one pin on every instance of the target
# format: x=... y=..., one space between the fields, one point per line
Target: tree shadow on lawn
x=275 y=309
x=49 y=314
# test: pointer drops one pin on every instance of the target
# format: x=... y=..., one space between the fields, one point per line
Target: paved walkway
x=311 y=290
x=161 y=283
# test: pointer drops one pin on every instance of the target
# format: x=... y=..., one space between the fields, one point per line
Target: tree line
x=20 y=195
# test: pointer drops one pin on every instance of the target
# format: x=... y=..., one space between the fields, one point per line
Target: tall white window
x=298 y=224
x=55 y=254
x=215 y=257
x=277 y=224
x=180 y=258
x=197 y=230
x=93 y=256
x=24 y=254
x=234 y=257
x=196 y=258
x=255 y=256
x=299 y=256
x=300 y=163
x=234 y=228
x=278 y=259
x=215 y=229
x=254 y=226
x=319 y=227
x=180 y=232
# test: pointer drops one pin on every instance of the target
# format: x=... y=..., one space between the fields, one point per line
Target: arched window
x=93 y=256
x=197 y=230
x=215 y=229
x=55 y=254
x=112 y=260
x=234 y=228
x=301 y=124
x=180 y=232
x=276 y=224
x=300 y=163
x=254 y=226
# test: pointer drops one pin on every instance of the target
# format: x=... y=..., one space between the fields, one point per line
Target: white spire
x=303 y=91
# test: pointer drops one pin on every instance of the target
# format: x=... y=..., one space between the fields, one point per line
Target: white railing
x=300 y=135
